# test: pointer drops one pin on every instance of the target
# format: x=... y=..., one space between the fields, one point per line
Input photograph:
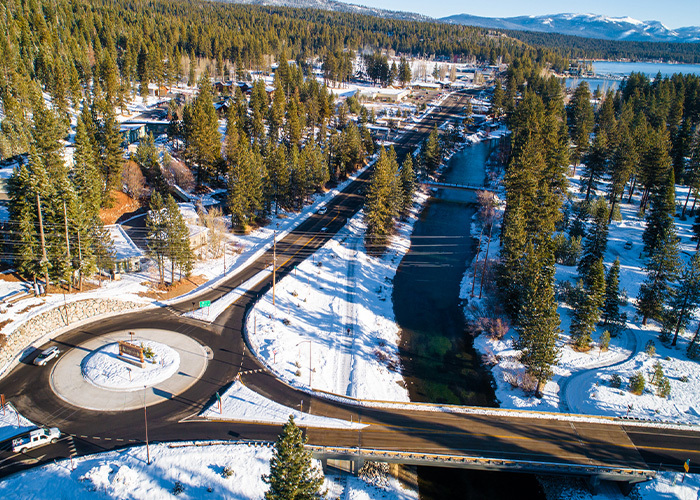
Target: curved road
x=535 y=438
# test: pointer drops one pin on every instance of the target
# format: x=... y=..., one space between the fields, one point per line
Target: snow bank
x=197 y=467
x=242 y=404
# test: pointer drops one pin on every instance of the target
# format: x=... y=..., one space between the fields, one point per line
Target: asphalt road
x=537 y=439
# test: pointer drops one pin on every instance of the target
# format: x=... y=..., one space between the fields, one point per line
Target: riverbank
x=596 y=382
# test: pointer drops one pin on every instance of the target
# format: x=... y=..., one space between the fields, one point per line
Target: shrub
x=684 y=378
x=227 y=471
x=650 y=348
x=663 y=387
x=178 y=488
x=604 y=340
x=616 y=381
x=637 y=383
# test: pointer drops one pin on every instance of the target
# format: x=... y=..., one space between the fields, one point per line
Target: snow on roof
x=188 y=211
x=196 y=230
x=427 y=85
x=124 y=247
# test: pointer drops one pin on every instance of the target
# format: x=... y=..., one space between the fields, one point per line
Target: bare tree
x=214 y=221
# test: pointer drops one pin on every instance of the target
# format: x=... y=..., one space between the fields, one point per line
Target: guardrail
x=606 y=472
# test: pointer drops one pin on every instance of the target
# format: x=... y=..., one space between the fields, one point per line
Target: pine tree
x=596 y=161
x=202 y=137
x=404 y=72
x=596 y=237
x=581 y=120
x=611 y=306
x=381 y=207
x=497 y=102
x=111 y=154
x=86 y=178
x=177 y=243
x=660 y=218
x=686 y=296
x=662 y=269
x=407 y=180
x=591 y=296
x=538 y=320
x=146 y=157
x=157 y=239
x=292 y=474
x=432 y=153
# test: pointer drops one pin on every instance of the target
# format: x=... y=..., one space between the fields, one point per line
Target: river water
x=439 y=361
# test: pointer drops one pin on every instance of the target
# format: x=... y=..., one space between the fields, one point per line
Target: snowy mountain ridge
x=335 y=6
x=585 y=25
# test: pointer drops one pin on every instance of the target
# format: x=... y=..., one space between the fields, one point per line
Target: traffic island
x=94 y=376
x=126 y=366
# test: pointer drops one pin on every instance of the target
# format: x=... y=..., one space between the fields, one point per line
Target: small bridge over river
x=461 y=187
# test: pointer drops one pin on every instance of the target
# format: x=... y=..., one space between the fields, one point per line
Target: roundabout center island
x=124 y=370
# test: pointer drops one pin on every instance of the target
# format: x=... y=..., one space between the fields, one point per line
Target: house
x=198 y=236
x=132 y=132
x=127 y=256
x=387 y=94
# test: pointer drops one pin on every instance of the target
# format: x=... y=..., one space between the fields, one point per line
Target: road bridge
x=461 y=187
x=352 y=459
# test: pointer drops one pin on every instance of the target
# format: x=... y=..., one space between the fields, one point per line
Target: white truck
x=37 y=437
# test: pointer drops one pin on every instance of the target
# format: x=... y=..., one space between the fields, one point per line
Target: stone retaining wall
x=55 y=319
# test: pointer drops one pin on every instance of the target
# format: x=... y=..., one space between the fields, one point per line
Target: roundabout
x=94 y=376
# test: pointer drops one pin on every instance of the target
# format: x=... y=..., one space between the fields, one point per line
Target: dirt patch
x=4 y=323
x=122 y=203
x=175 y=290
x=11 y=276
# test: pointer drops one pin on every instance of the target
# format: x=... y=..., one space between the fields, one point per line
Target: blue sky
x=673 y=13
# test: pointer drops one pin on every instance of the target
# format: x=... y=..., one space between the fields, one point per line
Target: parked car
x=36 y=438
x=47 y=355
x=322 y=210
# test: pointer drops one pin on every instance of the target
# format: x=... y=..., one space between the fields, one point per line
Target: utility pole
x=44 y=260
x=80 y=265
x=65 y=222
x=274 y=263
x=145 y=419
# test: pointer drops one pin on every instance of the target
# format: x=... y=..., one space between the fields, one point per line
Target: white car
x=322 y=210
x=37 y=437
x=47 y=355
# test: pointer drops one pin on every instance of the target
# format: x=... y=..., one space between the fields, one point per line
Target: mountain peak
x=586 y=25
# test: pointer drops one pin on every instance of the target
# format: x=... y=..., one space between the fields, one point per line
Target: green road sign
x=204 y=303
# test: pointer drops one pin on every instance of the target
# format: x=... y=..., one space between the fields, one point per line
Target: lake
x=616 y=70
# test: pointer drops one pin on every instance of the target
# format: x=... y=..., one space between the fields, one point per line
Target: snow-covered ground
x=332 y=326
x=241 y=404
x=200 y=468
x=104 y=368
x=581 y=382
x=12 y=422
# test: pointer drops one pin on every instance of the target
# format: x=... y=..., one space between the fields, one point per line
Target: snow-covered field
x=197 y=467
x=332 y=326
x=581 y=382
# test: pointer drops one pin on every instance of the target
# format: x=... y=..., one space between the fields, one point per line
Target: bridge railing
x=612 y=473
